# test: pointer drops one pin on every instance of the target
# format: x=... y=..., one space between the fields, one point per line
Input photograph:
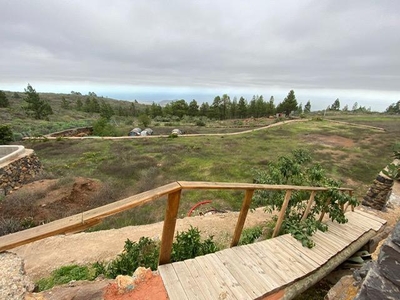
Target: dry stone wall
x=19 y=171
x=379 y=192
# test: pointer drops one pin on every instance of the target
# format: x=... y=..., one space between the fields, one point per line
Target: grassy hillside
x=349 y=153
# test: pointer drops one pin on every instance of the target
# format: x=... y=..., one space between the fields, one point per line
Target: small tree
x=144 y=120
x=3 y=100
x=288 y=105
x=307 y=107
x=335 y=105
x=6 y=134
x=36 y=107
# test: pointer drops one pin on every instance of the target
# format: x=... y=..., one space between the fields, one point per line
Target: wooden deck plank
x=289 y=274
x=291 y=255
x=339 y=241
x=262 y=264
x=360 y=219
x=315 y=256
x=202 y=280
x=329 y=240
x=171 y=282
x=238 y=290
x=189 y=285
x=371 y=216
x=296 y=253
x=345 y=232
x=242 y=273
x=223 y=290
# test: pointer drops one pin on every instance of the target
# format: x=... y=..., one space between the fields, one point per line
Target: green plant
x=143 y=253
x=6 y=134
x=392 y=171
x=188 y=244
x=66 y=274
x=250 y=235
x=297 y=170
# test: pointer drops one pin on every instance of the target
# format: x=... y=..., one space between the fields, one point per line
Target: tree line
x=222 y=107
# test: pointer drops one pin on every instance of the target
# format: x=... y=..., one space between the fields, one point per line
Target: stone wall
x=383 y=278
x=19 y=171
x=83 y=131
x=379 y=192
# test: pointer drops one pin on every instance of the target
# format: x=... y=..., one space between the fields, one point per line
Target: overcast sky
x=156 y=50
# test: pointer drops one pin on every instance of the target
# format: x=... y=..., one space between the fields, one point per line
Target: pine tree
x=36 y=107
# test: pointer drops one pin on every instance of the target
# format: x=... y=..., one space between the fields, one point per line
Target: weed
x=64 y=275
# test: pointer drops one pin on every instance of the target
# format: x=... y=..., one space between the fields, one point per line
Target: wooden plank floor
x=251 y=271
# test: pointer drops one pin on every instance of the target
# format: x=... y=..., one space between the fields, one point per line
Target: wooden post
x=242 y=217
x=171 y=213
x=323 y=211
x=309 y=204
x=282 y=213
x=351 y=194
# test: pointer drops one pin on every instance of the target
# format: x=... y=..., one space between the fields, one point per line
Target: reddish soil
x=151 y=289
x=47 y=200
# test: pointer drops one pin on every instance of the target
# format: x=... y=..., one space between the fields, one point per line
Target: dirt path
x=43 y=256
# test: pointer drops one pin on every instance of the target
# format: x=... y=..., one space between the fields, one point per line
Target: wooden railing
x=82 y=221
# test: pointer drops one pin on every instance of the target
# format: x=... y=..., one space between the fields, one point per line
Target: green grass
x=133 y=166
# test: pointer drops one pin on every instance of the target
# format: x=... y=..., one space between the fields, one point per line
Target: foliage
x=394 y=108
x=297 y=170
x=3 y=100
x=64 y=275
x=392 y=171
x=144 y=120
x=102 y=127
x=288 y=105
x=188 y=244
x=250 y=235
x=35 y=107
x=143 y=253
x=6 y=134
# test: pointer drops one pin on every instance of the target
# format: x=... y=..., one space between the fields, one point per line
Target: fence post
x=309 y=204
x=242 y=217
x=282 y=213
x=171 y=213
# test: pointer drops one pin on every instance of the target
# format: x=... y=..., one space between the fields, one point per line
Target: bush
x=250 y=235
x=102 y=127
x=296 y=170
x=6 y=135
x=200 y=123
x=189 y=245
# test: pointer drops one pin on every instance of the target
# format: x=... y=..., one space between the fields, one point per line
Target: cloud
x=311 y=45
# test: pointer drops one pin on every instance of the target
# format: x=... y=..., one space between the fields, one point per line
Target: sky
x=153 y=50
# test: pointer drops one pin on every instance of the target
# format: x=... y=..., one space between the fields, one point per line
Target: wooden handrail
x=82 y=221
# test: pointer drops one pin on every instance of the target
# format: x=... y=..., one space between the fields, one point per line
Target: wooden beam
x=171 y=214
x=309 y=205
x=83 y=220
x=324 y=209
x=282 y=213
x=204 y=185
x=242 y=217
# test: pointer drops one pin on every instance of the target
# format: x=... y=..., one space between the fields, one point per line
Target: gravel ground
x=13 y=281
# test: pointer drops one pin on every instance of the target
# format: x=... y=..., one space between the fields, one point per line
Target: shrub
x=6 y=134
x=250 y=235
x=189 y=245
x=200 y=123
x=102 y=127
x=296 y=170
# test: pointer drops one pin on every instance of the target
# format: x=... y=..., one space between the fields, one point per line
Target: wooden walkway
x=263 y=268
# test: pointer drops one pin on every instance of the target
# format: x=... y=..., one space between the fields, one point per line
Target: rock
x=389 y=262
x=142 y=274
x=344 y=289
x=125 y=283
x=376 y=287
